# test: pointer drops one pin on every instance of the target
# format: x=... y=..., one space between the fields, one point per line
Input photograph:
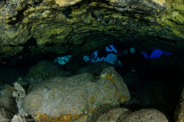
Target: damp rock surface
x=82 y=97
x=7 y=108
x=125 y=115
x=45 y=69
x=146 y=115
x=18 y=118
x=114 y=115
x=31 y=29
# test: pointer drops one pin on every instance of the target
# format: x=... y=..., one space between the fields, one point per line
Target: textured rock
x=58 y=26
x=5 y=115
x=125 y=115
x=18 y=118
x=45 y=69
x=7 y=108
x=7 y=91
x=66 y=2
x=114 y=115
x=146 y=115
x=19 y=94
x=179 y=113
x=82 y=97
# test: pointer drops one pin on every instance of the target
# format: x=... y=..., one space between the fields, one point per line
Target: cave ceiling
x=30 y=28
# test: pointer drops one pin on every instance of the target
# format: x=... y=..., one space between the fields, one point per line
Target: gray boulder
x=125 y=115
x=82 y=97
x=7 y=108
x=146 y=115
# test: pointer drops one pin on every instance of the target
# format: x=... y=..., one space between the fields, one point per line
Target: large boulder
x=7 y=108
x=125 y=115
x=146 y=115
x=82 y=97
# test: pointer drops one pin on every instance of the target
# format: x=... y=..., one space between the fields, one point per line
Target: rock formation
x=29 y=28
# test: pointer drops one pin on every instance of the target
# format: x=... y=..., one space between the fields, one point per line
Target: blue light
x=157 y=53
x=112 y=56
x=111 y=48
x=63 y=60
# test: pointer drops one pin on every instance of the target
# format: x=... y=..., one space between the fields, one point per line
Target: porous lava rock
x=29 y=30
x=114 y=115
x=7 y=108
x=82 y=97
x=146 y=115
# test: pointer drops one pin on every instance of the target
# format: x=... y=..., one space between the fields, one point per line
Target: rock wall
x=31 y=27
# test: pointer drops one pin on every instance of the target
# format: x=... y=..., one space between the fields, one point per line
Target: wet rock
x=5 y=115
x=19 y=118
x=45 y=69
x=61 y=26
x=66 y=3
x=114 y=115
x=7 y=91
x=19 y=94
x=7 y=108
x=179 y=113
x=125 y=115
x=146 y=115
x=82 y=97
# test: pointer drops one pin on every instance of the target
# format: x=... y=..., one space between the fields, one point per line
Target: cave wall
x=34 y=27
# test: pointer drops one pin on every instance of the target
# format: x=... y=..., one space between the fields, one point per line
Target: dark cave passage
x=154 y=83
x=92 y=60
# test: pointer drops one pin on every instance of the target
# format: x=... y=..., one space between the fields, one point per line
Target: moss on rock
x=70 y=23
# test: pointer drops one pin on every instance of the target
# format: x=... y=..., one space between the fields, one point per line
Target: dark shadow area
x=154 y=83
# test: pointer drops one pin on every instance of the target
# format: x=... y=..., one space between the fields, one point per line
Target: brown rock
x=114 y=115
x=179 y=113
x=146 y=115
x=83 y=97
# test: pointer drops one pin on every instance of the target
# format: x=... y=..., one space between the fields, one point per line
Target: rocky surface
x=179 y=113
x=7 y=104
x=19 y=94
x=125 y=115
x=114 y=115
x=45 y=69
x=7 y=108
x=37 y=27
x=146 y=115
x=82 y=97
x=19 y=118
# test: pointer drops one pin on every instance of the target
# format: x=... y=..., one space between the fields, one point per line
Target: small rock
x=7 y=108
x=7 y=91
x=19 y=118
x=146 y=115
x=113 y=115
x=19 y=94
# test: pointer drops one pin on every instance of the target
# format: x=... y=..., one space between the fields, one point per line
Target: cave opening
x=92 y=60
x=152 y=73
x=151 y=82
